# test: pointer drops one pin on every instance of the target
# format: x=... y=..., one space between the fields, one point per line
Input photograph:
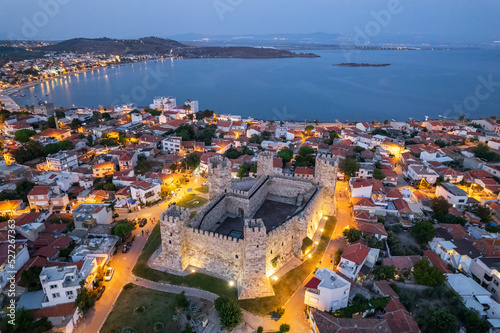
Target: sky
x=463 y=20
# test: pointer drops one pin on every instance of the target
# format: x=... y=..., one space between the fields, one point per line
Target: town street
x=123 y=263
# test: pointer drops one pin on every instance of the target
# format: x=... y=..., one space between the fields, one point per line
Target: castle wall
x=216 y=253
x=284 y=242
x=207 y=218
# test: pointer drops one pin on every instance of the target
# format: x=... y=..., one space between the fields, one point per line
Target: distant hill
x=148 y=45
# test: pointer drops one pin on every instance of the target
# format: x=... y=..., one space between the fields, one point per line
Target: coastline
x=15 y=89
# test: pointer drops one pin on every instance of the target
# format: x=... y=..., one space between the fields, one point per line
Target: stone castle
x=250 y=228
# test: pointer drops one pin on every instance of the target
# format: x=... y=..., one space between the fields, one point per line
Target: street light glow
x=231 y=283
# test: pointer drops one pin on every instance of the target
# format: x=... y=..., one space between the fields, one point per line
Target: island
x=354 y=64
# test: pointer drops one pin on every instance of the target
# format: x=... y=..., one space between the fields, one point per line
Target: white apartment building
x=418 y=171
x=327 y=291
x=62 y=161
x=164 y=103
x=88 y=215
x=193 y=105
x=145 y=192
x=454 y=196
x=172 y=144
x=357 y=258
x=61 y=284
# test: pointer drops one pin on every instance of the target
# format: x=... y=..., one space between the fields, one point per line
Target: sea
x=444 y=83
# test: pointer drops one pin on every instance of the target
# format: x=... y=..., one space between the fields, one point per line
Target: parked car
x=205 y=183
x=143 y=223
x=109 y=274
x=126 y=247
x=171 y=204
x=100 y=291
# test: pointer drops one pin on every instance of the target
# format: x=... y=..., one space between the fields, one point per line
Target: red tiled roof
x=61 y=310
x=372 y=228
x=304 y=171
x=46 y=251
x=313 y=283
x=436 y=261
x=356 y=253
x=401 y=262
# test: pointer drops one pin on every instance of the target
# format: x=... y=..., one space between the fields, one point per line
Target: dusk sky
x=469 y=20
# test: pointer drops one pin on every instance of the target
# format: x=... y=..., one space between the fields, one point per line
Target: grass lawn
x=195 y=280
x=289 y=283
x=158 y=308
x=192 y=201
x=202 y=189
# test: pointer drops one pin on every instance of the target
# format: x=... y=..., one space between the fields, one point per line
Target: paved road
x=294 y=308
x=124 y=262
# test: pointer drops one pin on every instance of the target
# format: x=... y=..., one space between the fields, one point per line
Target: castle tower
x=255 y=281
x=325 y=175
x=172 y=223
x=219 y=176
x=265 y=164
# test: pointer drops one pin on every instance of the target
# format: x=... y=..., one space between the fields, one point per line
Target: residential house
x=12 y=257
x=327 y=291
x=454 y=196
x=145 y=192
x=357 y=258
x=89 y=215
x=417 y=172
x=47 y=197
x=61 y=283
x=103 y=169
x=62 y=161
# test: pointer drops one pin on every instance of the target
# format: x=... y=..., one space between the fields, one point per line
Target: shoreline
x=16 y=89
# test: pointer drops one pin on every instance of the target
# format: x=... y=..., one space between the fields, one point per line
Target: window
x=494 y=291
x=56 y=295
x=69 y=293
x=53 y=286
x=236 y=256
x=495 y=282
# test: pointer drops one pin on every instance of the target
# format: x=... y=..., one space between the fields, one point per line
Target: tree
x=90 y=141
x=428 y=275
x=260 y=329
x=384 y=272
x=378 y=174
x=23 y=188
x=280 y=312
x=30 y=150
x=286 y=155
x=229 y=311
x=75 y=124
x=284 y=328
x=24 y=135
x=30 y=278
x=232 y=153
x=192 y=161
x=352 y=234
x=51 y=122
x=439 y=205
x=123 y=229
x=423 y=232
x=180 y=301
x=349 y=166
x=85 y=300
x=308 y=130
x=25 y=323
x=305 y=157
x=436 y=320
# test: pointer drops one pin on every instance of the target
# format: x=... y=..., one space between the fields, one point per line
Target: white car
x=109 y=274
